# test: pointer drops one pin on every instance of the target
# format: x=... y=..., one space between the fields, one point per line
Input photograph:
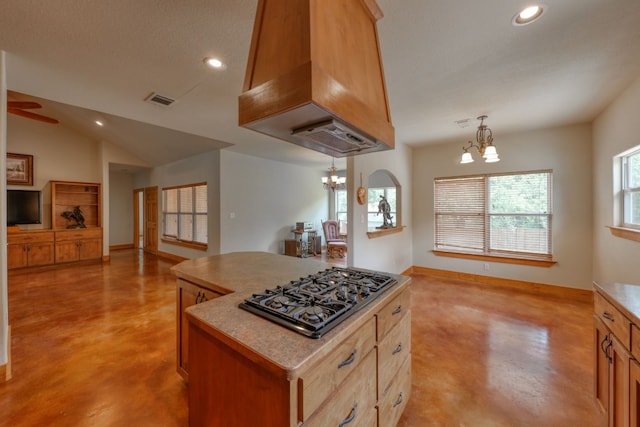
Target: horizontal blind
x=170 y=208
x=200 y=226
x=459 y=213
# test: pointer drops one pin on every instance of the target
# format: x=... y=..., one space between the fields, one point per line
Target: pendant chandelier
x=484 y=145
x=333 y=181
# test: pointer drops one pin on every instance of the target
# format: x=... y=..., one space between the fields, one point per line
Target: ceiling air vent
x=464 y=123
x=161 y=100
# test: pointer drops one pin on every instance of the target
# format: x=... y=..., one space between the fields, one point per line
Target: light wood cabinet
x=73 y=242
x=634 y=393
x=616 y=373
x=66 y=196
x=188 y=294
x=30 y=249
x=78 y=244
x=362 y=380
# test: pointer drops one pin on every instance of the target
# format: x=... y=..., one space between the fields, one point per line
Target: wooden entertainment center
x=60 y=244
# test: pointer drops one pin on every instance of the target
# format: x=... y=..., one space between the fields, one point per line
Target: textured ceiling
x=444 y=61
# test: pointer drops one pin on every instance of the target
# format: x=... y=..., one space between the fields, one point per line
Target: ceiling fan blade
x=33 y=116
x=25 y=105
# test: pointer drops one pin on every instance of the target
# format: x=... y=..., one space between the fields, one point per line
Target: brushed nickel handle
x=608 y=316
x=398 y=349
x=351 y=417
x=397 y=310
x=399 y=401
x=349 y=361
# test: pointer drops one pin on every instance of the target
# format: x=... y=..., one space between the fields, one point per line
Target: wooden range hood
x=315 y=77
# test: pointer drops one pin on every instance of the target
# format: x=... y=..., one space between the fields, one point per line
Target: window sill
x=385 y=231
x=192 y=245
x=495 y=258
x=625 y=233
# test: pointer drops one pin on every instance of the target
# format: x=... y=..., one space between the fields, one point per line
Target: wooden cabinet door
x=188 y=294
x=66 y=251
x=16 y=256
x=151 y=220
x=89 y=249
x=40 y=254
x=602 y=341
x=618 y=384
x=634 y=398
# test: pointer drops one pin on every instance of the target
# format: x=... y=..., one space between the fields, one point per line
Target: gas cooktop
x=317 y=303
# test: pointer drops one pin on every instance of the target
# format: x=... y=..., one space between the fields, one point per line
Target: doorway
x=145 y=219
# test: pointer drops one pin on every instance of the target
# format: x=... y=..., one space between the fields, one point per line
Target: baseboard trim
x=171 y=257
x=5 y=370
x=120 y=247
x=574 y=294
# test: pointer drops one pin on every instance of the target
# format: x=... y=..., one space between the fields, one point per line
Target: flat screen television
x=23 y=207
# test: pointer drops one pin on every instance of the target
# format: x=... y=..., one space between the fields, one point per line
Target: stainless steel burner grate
x=317 y=303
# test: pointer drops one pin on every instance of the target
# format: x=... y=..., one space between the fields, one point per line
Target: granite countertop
x=625 y=297
x=238 y=275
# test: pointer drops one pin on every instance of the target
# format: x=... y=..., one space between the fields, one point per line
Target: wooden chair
x=335 y=245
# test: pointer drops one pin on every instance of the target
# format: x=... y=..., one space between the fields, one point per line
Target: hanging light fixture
x=484 y=145
x=333 y=181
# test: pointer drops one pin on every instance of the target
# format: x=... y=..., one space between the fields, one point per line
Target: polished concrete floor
x=94 y=345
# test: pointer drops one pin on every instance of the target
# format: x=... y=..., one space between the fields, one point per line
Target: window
x=184 y=210
x=631 y=189
x=504 y=214
x=341 y=210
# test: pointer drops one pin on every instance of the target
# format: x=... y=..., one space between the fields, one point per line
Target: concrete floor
x=94 y=345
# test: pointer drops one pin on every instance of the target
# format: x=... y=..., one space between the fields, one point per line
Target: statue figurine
x=385 y=208
x=75 y=215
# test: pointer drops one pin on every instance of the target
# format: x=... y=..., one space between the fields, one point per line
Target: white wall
x=393 y=252
x=120 y=208
x=614 y=131
x=565 y=150
x=202 y=168
x=261 y=201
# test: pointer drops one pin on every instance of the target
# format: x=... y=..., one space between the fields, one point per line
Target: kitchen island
x=247 y=370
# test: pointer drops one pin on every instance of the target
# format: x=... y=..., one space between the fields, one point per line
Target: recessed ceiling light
x=99 y=123
x=214 y=63
x=528 y=15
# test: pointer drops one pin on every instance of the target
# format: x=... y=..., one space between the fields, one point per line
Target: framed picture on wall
x=19 y=169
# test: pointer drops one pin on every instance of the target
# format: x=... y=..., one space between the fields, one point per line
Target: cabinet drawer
x=19 y=238
x=615 y=321
x=83 y=233
x=355 y=399
x=323 y=379
x=392 y=404
x=392 y=352
x=391 y=313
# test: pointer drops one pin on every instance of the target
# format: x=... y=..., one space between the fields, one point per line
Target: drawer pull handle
x=603 y=346
x=397 y=310
x=399 y=401
x=608 y=316
x=349 y=361
x=351 y=417
x=398 y=349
